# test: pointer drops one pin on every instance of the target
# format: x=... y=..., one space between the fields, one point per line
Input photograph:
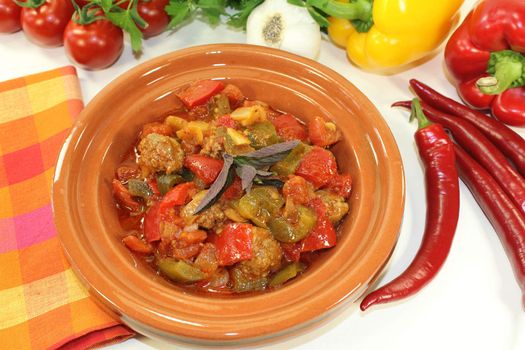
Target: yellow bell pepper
x=401 y=32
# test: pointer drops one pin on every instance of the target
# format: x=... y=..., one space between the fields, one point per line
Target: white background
x=473 y=303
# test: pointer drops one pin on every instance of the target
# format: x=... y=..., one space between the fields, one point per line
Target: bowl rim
x=144 y=324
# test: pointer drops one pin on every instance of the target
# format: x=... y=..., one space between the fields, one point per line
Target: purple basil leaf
x=220 y=184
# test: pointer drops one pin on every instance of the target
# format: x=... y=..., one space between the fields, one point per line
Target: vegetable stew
x=229 y=195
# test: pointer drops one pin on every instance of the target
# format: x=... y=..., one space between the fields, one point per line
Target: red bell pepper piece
x=291 y=251
x=317 y=166
x=323 y=233
x=340 y=185
x=289 y=128
x=178 y=195
x=152 y=223
x=234 y=191
x=200 y=92
x=205 y=168
x=234 y=243
x=491 y=42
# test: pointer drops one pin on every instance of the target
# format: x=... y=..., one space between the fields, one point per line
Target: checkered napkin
x=42 y=304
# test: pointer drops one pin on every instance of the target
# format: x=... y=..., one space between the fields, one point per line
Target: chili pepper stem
x=508 y=70
x=417 y=113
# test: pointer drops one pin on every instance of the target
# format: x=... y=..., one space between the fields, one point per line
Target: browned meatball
x=253 y=274
x=160 y=153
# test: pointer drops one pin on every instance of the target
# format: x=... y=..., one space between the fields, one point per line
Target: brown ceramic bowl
x=87 y=220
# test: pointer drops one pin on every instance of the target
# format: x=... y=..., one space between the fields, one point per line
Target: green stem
x=507 y=69
x=417 y=113
x=33 y=4
x=357 y=11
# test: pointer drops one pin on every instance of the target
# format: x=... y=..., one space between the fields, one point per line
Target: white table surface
x=473 y=303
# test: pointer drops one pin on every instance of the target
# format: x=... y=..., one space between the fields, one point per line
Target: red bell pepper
x=205 y=168
x=152 y=223
x=200 y=92
x=485 y=56
x=178 y=195
x=123 y=197
x=234 y=243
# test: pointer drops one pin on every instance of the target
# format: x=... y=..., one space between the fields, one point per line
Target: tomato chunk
x=289 y=128
x=234 y=191
x=291 y=251
x=227 y=121
x=200 y=92
x=323 y=133
x=323 y=233
x=318 y=167
x=205 y=168
x=234 y=243
x=234 y=94
x=156 y=128
x=340 y=185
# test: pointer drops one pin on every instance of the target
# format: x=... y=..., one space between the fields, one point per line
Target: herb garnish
x=250 y=167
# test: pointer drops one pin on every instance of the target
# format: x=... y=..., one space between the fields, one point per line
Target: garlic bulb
x=276 y=23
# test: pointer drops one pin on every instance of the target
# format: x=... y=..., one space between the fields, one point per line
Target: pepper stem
x=357 y=11
x=507 y=69
x=417 y=113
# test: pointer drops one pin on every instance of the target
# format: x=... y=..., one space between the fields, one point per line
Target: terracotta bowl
x=87 y=220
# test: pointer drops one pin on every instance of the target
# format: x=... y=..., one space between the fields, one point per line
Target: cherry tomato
x=9 y=16
x=44 y=24
x=95 y=45
x=153 y=13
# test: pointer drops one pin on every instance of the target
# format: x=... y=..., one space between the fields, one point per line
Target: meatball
x=253 y=274
x=160 y=153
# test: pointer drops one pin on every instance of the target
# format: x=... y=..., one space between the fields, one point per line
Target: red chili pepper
x=234 y=243
x=507 y=140
x=200 y=92
x=488 y=155
x=499 y=209
x=323 y=234
x=205 y=168
x=442 y=188
x=490 y=42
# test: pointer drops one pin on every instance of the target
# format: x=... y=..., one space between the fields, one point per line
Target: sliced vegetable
x=318 y=166
x=260 y=204
x=323 y=233
x=165 y=182
x=287 y=273
x=262 y=134
x=136 y=244
x=179 y=195
x=152 y=223
x=200 y=92
x=180 y=271
x=124 y=198
x=219 y=105
x=289 y=128
x=322 y=133
x=234 y=243
x=139 y=188
x=289 y=164
x=205 y=168
x=285 y=231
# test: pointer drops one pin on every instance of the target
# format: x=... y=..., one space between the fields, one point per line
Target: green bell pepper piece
x=179 y=271
x=262 y=134
x=284 y=231
x=289 y=164
x=286 y=274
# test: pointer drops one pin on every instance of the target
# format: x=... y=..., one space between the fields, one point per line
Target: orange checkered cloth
x=42 y=304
